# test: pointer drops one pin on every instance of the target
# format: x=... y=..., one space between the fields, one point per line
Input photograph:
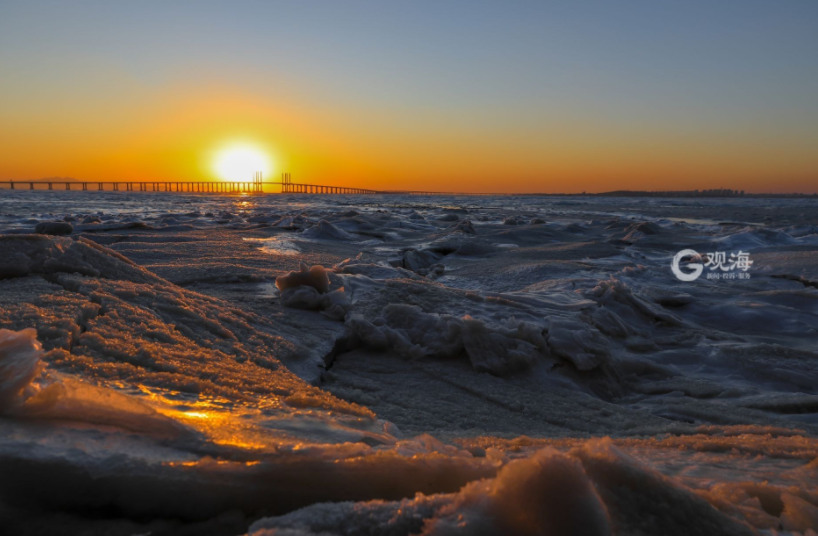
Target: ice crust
x=20 y=353
x=594 y=489
x=409 y=332
x=315 y=277
x=162 y=371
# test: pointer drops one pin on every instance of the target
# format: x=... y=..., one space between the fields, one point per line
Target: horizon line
x=710 y=192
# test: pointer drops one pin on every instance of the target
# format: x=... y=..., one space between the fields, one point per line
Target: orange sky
x=345 y=112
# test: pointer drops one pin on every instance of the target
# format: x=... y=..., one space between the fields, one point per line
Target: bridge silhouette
x=255 y=186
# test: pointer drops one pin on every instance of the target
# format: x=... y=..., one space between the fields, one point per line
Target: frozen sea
x=339 y=365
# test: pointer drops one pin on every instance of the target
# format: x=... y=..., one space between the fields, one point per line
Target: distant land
x=718 y=192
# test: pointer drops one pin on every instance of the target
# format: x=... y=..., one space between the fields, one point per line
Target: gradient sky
x=525 y=96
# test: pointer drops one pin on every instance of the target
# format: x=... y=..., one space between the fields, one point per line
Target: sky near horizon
x=521 y=96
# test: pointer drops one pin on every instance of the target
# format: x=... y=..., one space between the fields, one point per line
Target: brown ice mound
x=99 y=315
x=38 y=254
x=19 y=356
x=315 y=277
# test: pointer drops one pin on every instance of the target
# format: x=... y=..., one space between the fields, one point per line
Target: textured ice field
x=463 y=365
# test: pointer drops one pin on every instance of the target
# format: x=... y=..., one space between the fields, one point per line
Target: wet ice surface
x=180 y=388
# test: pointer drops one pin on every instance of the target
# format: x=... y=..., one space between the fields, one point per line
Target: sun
x=240 y=162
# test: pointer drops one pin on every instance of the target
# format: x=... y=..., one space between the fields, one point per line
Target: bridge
x=290 y=187
x=255 y=186
x=136 y=186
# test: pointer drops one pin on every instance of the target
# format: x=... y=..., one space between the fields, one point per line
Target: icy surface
x=405 y=365
x=20 y=353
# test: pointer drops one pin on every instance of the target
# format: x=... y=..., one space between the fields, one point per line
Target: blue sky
x=739 y=73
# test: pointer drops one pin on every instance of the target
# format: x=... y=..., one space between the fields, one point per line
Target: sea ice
x=172 y=395
x=20 y=353
x=315 y=277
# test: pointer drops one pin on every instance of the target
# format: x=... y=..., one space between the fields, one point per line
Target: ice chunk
x=315 y=277
x=410 y=332
x=798 y=513
x=74 y=401
x=27 y=254
x=577 y=342
x=492 y=351
x=20 y=353
x=373 y=271
x=615 y=295
x=750 y=239
x=545 y=494
x=301 y=297
x=642 y=501
x=464 y=226
x=513 y=220
x=333 y=304
x=548 y=493
x=327 y=231
x=421 y=261
x=416 y=333
x=54 y=228
x=636 y=231
x=64 y=398
x=291 y=222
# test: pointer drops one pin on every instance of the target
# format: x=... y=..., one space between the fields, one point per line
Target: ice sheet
x=434 y=379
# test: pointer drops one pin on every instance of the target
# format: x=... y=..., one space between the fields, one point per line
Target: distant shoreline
x=623 y=193
x=689 y=194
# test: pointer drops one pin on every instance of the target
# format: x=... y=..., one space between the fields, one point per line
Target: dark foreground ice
x=407 y=365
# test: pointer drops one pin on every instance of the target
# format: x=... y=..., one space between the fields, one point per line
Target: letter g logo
x=696 y=267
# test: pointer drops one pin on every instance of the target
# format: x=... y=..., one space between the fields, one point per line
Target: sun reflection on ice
x=222 y=422
x=275 y=245
x=197 y=414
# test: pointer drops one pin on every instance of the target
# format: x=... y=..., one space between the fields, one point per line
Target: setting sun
x=239 y=162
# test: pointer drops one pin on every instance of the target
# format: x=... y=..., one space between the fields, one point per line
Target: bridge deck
x=183 y=186
x=249 y=187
